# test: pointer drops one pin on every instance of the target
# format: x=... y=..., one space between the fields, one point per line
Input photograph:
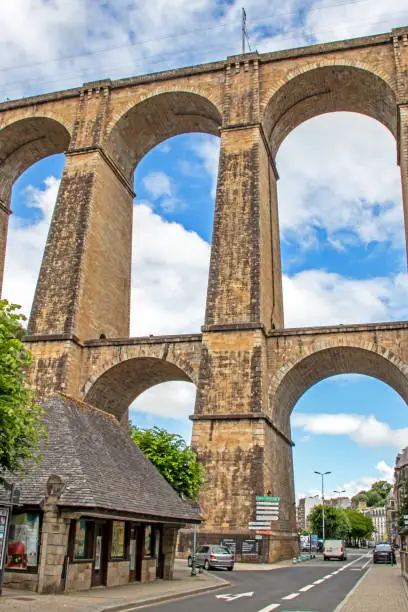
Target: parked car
x=211 y=556
x=383 y=553
x=334 y=549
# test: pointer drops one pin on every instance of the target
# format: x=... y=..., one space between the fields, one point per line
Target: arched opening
x=166 y=405
x=352 y=425
x=156 y=119
x=31 y=163
x=348 y=418
x=325 y=90
x=169 y=139
x=24 y=143
x=340 y=199
x=173 y=217
x=119 y=386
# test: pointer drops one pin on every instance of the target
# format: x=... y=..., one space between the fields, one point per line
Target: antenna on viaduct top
x=244 y=32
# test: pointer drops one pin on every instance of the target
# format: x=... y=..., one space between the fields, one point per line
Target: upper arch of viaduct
x=358 y=75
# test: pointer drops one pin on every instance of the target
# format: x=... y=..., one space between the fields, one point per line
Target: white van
x=334 y=549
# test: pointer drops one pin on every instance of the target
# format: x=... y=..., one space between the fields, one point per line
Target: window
x=148 y=541
x=22 y=550
x=203 y=549
x=83 y=545
x=118 y=539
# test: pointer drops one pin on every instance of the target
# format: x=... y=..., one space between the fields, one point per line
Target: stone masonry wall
x=118 y=573
x=249 y=370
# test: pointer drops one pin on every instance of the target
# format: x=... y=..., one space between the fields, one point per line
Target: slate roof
x=101 y=466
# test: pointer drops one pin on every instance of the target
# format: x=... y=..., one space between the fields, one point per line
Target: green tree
x=361 y=526
x=20 y=417
x=382 y=487
x=337 y=524
x=375 y=497
x=359 y=497
x=176 y=461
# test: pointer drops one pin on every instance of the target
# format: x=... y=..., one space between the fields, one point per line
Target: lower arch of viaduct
x=245 y=447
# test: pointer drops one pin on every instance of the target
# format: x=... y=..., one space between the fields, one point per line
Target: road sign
x=267 y=498
x=264 y=532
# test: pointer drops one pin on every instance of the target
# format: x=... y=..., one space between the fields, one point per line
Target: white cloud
x=172 y=400
x=352 y=487
x=26 y=243
x=160 y=187
x=339 y=173
x=117 y=39
x=317 y=297
x=386 y=471
x=207 y=148
x=169 y=272
x=364 y=430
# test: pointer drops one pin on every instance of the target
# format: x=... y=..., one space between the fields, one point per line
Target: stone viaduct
x=249 y=370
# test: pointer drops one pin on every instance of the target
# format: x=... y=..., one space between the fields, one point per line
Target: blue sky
x=343 y=251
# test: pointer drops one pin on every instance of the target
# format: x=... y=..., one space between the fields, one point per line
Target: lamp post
x=339 y=492
x=323 y=474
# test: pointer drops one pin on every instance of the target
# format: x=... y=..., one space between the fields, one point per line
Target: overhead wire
x=152 y=60
x=257 y=20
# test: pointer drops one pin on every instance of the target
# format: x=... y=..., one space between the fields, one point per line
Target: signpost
x=266 y=511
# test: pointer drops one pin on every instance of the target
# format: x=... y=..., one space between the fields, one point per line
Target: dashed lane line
x=291 y=596
x=307 y=588
x=311 y=586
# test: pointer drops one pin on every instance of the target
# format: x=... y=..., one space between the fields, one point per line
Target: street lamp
x=339 y=492
x=322 y=474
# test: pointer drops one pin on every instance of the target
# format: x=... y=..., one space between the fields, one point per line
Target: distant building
x=339 y=502
x=305 y=507
x=401 y=477
x=391 y=517
x=378 y=516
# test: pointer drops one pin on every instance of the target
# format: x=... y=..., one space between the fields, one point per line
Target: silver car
x=211 y=556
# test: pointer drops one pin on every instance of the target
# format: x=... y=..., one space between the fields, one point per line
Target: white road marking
x=291 y=596
x=365 y=564
x=269 y=608
x=233 y=597
x=307 y=588
x=319 y=581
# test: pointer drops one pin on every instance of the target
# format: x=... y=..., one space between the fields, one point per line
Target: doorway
x=100 y=563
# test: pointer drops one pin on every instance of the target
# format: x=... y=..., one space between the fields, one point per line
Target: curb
x=150 y=601
x=350 y=593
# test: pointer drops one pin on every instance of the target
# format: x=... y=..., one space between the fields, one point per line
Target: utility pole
x=243 y=28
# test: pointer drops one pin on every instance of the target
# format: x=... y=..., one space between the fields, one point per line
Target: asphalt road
x=312 y=586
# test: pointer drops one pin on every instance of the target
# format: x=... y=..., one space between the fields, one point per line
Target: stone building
x=94 y=511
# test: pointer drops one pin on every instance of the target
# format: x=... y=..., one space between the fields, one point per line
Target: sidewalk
x=382 y=589
x=102 y=599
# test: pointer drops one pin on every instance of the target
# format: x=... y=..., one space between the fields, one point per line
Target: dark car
x=211 y=556
x=383 y=553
